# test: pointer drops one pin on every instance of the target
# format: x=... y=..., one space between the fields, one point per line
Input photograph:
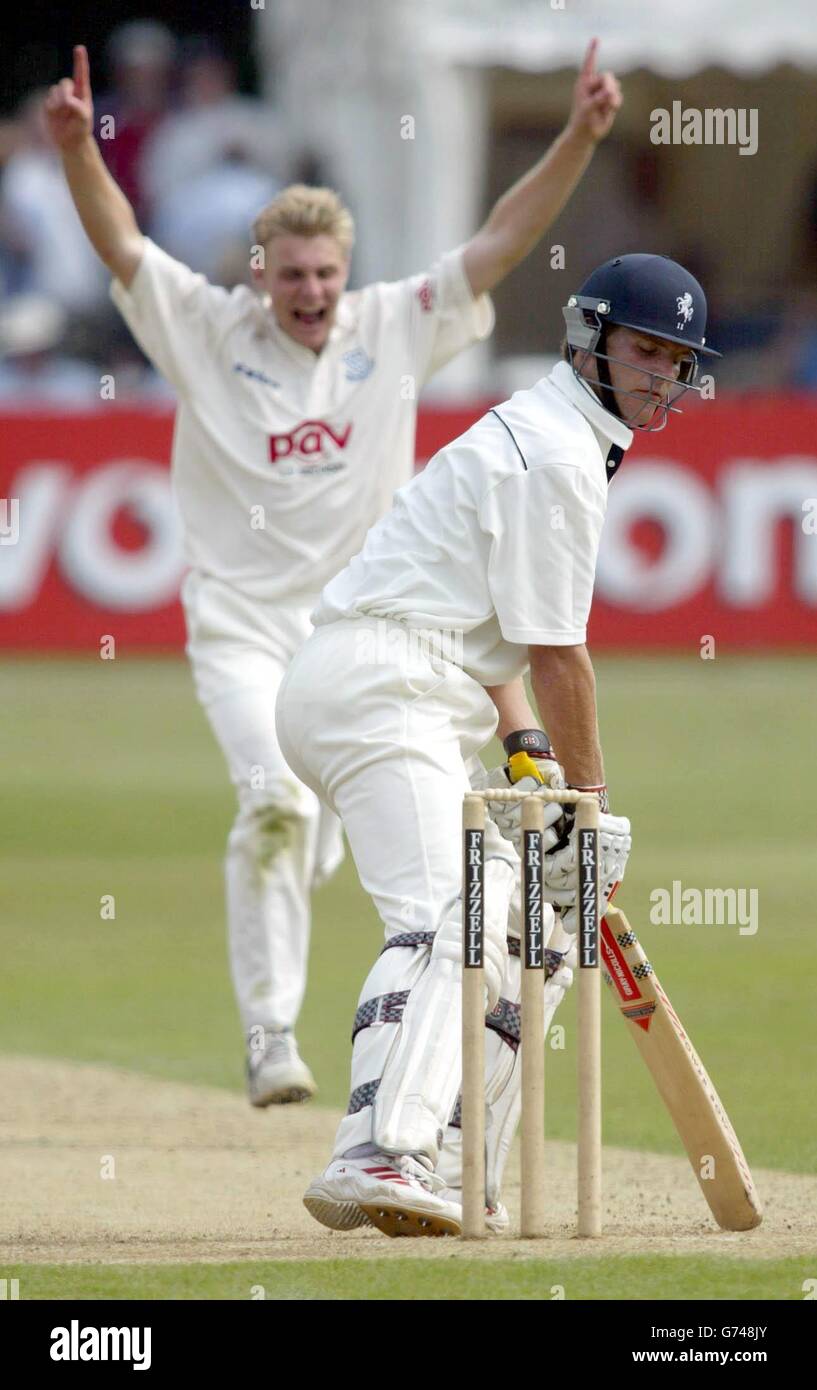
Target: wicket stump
x=532 y=1012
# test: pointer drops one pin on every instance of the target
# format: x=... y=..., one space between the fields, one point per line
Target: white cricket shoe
x=278 y=1075
x=398 y=1195
x=338 y=1213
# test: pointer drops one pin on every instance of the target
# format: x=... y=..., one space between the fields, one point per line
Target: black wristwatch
x=534 y=742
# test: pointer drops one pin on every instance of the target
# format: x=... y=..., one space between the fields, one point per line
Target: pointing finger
x=589 y=64
x=82 y=77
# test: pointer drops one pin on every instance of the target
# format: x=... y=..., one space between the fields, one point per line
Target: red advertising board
x=710 y=529
x=97 y=549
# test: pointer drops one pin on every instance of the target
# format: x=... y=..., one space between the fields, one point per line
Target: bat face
x=702 y=1123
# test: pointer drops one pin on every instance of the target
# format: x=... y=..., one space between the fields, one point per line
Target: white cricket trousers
x=283 y=842
x=382 y=732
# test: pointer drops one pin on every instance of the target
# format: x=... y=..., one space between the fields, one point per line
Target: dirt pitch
x=201 y=1177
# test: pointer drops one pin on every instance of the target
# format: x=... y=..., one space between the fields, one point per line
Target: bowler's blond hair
x=303 y=211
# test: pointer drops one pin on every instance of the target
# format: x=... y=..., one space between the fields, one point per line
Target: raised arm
x=525 y=212
x=104 y=211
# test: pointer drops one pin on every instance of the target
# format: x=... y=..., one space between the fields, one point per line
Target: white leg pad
x=503 y=1070
x=421 y=1078
x=382 y=1002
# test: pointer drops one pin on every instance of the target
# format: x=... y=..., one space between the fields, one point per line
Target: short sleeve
x=443 y=315
x=545 y=526
x=169 y=310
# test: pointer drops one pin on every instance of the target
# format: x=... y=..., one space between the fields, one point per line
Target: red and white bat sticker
x=640 y=1013
x=640 y=1010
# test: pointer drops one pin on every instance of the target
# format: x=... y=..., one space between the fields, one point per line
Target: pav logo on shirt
x=312 y=440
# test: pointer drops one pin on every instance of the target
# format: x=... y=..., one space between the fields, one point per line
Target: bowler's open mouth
x=309 y=317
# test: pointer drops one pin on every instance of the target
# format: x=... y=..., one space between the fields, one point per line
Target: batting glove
x=531 y=767
x=615 y=843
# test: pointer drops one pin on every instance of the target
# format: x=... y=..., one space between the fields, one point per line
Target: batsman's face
x=644 y=374
x=304 y=277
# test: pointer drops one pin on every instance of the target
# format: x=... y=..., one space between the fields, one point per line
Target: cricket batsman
x=482 y=570
x=292 y=434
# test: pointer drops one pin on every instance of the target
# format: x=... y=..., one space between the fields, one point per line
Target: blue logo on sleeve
x=358 y=364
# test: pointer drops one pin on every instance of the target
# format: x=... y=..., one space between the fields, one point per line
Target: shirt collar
x=606 y=427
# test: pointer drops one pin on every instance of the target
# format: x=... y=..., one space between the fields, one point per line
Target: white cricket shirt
x=283 y=459
x=495 y=542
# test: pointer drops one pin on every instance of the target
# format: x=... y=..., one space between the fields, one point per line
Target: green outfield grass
x=113 y=785
x=448 y=1278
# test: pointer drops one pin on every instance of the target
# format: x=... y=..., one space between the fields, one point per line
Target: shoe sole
x=284 y=1095
x=338 y=1216
x=402 y=1221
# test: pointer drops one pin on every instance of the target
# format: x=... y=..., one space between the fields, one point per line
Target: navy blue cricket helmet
x=646 y=293
x=651 y=294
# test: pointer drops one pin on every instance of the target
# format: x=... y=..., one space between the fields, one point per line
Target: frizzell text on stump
x=588 y=900
x=474 y=903
x=534 y=954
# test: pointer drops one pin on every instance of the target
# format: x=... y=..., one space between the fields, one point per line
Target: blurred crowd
x=195 y=158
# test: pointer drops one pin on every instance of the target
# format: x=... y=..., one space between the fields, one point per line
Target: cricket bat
x=702 y=1123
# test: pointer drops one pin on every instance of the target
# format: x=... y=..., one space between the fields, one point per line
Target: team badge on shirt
x=358 y=364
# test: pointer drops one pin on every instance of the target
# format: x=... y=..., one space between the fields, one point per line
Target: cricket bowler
x=482 y=570
x=293 y=432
